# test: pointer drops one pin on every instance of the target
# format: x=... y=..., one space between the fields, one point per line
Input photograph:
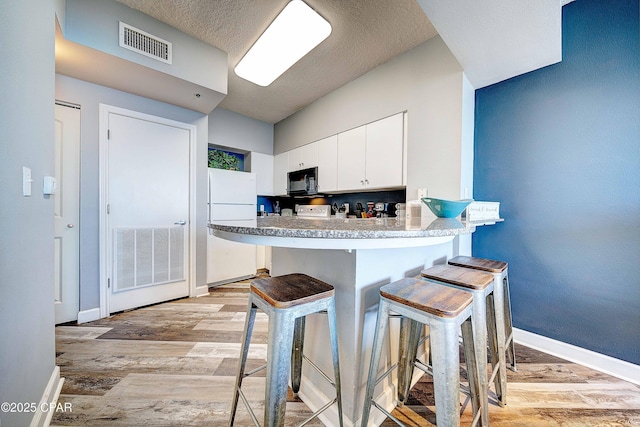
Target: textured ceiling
x=366 y=33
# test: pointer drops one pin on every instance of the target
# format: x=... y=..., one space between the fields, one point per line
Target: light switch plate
x=26 y=181
x=49 y=186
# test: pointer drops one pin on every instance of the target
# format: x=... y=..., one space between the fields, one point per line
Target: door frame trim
x=105 y=258
x=78 y=165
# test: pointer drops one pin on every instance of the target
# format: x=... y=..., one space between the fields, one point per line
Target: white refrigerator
x=232 y=201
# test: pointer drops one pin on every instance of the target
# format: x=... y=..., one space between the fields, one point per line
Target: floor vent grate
x=144 y=43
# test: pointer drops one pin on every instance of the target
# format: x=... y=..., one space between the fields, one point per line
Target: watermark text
x=19 y=407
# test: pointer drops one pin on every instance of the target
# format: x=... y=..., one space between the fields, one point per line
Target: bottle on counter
x=370 y=212
x=276 y=208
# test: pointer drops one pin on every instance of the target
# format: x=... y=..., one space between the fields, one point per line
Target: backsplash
x=395 y=196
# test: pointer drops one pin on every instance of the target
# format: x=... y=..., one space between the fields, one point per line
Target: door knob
x=183 y=222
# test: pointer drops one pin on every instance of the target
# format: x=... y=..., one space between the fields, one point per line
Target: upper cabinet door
x=295 y=159
x=280 y=170
x=351 y=159
x=310 y=155
x=328 y=164
x=384 y=152
x=262 y=166
x=303 y=157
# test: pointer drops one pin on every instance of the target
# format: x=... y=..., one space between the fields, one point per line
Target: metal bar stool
x=481 y=285
x=286 y=299
x=499 y=269
x=445 y=310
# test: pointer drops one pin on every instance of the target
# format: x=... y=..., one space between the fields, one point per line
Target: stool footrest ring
x=318 y=412
x=255 y=370
x=386 y=374
x=314 y=366
x=246 y=404
x=384 y=411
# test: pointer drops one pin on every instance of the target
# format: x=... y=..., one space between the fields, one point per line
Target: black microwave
x=303 y=182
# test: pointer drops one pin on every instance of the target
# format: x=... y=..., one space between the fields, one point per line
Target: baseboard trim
x=89 y=315
x=42 y=418
x=233 y=280
x=600 y=362
x=202 y=291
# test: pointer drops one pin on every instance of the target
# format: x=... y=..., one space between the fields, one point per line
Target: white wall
x=428 y=83
x=468 y=123
x=89 y=96
x=233 y=130
x=94 y=23
x=60 y=6
x=27 y=346
x=466 y=161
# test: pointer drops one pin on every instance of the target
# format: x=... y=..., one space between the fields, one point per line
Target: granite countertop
x=341 y=233
x=334 y=228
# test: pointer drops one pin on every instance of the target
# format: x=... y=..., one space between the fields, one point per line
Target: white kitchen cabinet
x=263 y=257
x=261 y=262
x=384 y=153
x=262 y=165
x=303 y=157
x=328 y=164
x=280 y=170
x=351 y=159
x=372 y=156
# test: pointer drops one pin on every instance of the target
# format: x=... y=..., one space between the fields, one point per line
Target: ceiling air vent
x=144 y=43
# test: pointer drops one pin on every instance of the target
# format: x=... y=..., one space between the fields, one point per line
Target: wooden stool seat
x=446 y=311
x=291 y=290
x=437 y=300
x=462 y=277
x=482 y=264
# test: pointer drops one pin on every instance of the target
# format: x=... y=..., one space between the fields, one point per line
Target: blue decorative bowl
x=446 y=208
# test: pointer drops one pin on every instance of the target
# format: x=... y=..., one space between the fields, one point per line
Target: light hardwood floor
x=174 y=364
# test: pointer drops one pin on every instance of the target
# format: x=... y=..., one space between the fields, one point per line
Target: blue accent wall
x=560 y=149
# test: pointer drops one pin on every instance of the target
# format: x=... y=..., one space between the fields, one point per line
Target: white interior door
x=67 y=213
x=147 y=211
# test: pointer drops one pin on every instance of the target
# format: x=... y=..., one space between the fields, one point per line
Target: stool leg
x=246 y=339
x=296 y=355
x=409 y=338
x=495 y=322
x=333 y=334
x=480 y=342
x=382 y=324
x=446 y=372
x=510 y=343
x=279 y=346
x=472 y=368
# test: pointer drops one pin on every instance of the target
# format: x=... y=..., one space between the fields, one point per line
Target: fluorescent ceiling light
x=294 y=32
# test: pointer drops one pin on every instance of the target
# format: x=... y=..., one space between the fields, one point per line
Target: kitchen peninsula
x=356 y=256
